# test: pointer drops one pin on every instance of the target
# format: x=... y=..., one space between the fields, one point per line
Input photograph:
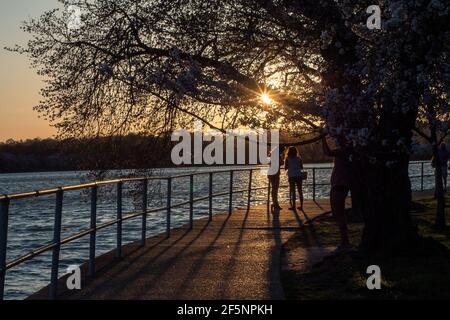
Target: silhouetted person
x=443 y=159
x=274 y=181
x=294 y=166
x=341 y=182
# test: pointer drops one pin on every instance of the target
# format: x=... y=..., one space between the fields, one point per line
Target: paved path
x=232 y=257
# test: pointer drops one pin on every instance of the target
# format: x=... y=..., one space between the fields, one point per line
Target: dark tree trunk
x=388 y=225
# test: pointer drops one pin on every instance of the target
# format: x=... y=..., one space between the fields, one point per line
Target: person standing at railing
x=443 y=157
x=341 y=183
x=294 y=166
x=274 y=181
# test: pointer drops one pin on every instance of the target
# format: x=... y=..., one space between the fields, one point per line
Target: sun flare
x=266 y=99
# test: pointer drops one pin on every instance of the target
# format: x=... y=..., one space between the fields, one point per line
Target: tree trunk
x=388 y=225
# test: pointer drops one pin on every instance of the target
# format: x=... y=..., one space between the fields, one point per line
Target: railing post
x=119 y=219
x=421 y=178
x=210 y=195
x=4 y=212
x=93 y=235
x=314 y=184
x=230 y=208
x=249 y=189
x=57 y=242
x=144 y=211
x=169 y=204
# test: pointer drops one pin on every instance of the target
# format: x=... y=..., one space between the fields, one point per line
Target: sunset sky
x=19 y=84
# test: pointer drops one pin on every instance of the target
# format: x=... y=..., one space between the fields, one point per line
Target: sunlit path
x=233 y=257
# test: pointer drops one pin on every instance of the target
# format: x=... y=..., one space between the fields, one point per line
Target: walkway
x=232 y=257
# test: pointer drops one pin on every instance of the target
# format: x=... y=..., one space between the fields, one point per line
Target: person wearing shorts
x=294 y=166
x=274 y=181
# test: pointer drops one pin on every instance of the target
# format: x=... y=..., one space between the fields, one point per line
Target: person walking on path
x=341 y=182
x=294 y=166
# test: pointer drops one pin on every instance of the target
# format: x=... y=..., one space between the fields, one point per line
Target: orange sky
x=19 y=84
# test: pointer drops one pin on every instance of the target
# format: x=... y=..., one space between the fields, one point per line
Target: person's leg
x=275 y=188
x=292 y=193
x=337 y=199
x=300 y=192
x=435 y=184
x=444 y=177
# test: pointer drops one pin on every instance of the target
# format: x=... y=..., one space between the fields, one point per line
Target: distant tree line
x=96 y=154
x=109 y=153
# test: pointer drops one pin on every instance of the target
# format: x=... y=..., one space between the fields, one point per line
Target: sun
x=266 y=99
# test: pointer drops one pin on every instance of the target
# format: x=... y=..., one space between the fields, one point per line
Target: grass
x=425 y=276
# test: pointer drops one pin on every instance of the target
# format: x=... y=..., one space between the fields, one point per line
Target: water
x=31 y=220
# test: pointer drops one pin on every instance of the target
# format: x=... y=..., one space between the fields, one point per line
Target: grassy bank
x=425 y=275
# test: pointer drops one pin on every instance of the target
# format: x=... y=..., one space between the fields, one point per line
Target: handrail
x=56 y=243
x=99 y=183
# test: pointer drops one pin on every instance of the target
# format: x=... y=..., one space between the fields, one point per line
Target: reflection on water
x=31 y=220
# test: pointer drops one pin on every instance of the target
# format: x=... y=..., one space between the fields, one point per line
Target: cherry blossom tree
x=396 y=68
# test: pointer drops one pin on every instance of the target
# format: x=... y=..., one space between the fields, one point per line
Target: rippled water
x=31 y=220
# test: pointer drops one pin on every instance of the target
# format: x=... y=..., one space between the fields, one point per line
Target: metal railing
x=57 y=242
